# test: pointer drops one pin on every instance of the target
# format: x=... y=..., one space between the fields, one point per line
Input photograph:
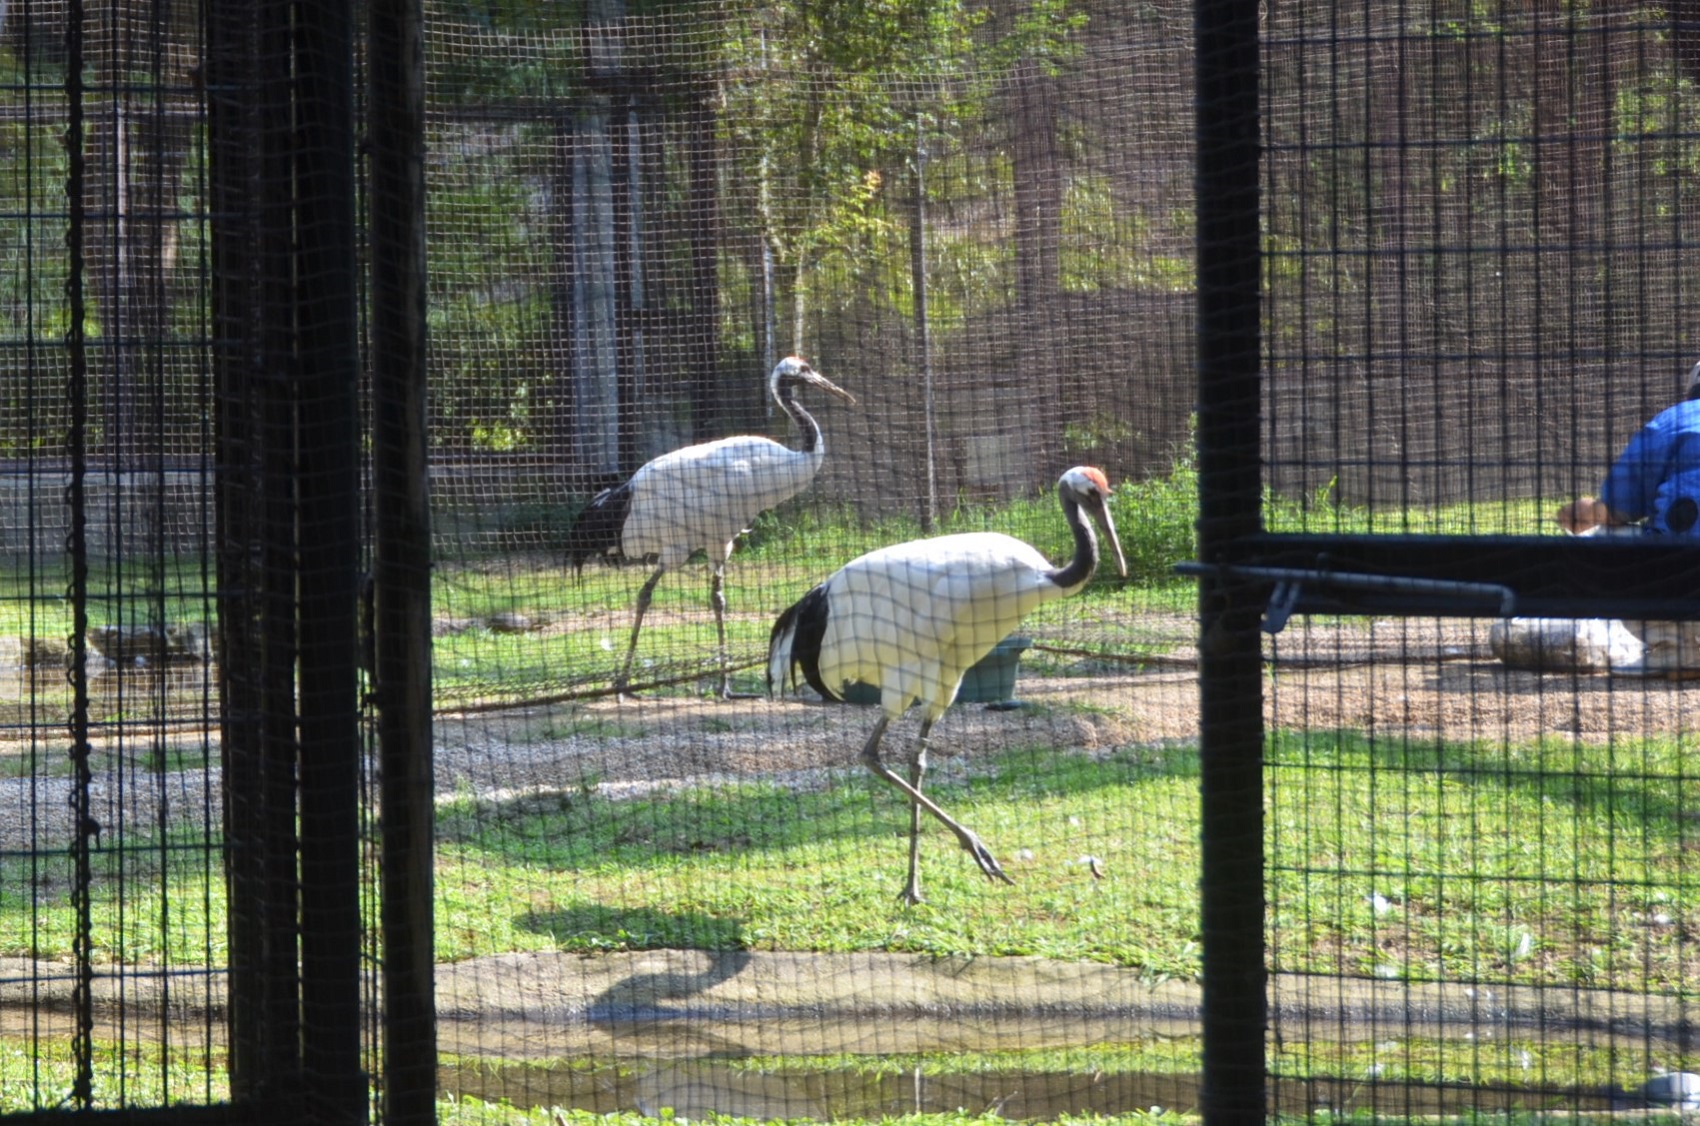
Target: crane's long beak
x=1101 y=513
x=815 y=379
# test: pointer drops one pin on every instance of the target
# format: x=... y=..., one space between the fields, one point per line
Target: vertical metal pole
x=923 y=327
x=708 y=412
x=232 y=169
x=76 y=440
x=1230 y=488
x=402 y=552
x=269 y=849
x=327 y=531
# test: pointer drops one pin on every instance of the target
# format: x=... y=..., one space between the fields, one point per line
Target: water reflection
x=708 y=1085
x=699 y=1087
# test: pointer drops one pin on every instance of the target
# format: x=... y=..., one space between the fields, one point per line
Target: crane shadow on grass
x=660 y=1007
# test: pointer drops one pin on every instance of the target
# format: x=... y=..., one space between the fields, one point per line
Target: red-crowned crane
x=913 y=617
x=703 y=497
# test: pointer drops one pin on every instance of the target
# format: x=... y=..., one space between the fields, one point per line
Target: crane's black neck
x=1085 y=560
x=806 y=424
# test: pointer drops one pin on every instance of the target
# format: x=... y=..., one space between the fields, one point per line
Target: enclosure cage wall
x=1379 y=806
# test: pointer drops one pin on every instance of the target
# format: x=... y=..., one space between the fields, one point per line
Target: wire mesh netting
x=735 y=313
x=109 y=842
x=1479 y=853
x=634 y=220
x=165 y=844
x=976 y=226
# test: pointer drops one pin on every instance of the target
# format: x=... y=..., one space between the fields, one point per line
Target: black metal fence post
x=327 y=481
x=402 y=551
x=1230 y=497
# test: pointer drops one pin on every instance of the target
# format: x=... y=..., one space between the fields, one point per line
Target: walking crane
x=703 y=497
x=912 y=618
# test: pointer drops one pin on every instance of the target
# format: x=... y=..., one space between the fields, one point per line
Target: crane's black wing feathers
x=597 y=529
x=810 y=614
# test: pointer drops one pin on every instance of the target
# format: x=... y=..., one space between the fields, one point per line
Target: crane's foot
x=984 y=858
x=911 y=895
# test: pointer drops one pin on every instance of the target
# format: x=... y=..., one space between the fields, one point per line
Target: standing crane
x=912 y=618
x=703 y=497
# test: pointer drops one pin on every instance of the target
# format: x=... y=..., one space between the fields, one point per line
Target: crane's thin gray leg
x=917 y=771
x=717 y=599
x=645 y=593
x=970 y=843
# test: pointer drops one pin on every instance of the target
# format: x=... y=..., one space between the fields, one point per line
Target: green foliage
x=815 y=123
x=1109 y=246
x=1157 y=520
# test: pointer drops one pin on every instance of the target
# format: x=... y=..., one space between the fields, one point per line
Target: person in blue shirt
x=1653 y=488
x=1655 y=482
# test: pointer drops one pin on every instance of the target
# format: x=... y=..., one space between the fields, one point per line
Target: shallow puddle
x=698 y=1087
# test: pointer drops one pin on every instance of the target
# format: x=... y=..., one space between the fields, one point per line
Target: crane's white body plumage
x=703 y=497
x=913 y=617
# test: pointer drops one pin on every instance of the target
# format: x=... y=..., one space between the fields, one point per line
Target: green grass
x=1552 y=863
x=756 y=867
x=36 y=604
x=40 y=1074
x=37 y=1075
x=1319 y=515
x=148 y=905
x=473 y=1112
x=586 y=617
x=1561 y=862
x=786 y=551
x=1511 y=1063
x=790 y=549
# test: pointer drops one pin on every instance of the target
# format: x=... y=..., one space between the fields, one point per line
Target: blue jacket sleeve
x=1632 y=486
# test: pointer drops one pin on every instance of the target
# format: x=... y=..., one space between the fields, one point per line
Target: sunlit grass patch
x=40 y=1074
x=1552 y=862
x=757 y=866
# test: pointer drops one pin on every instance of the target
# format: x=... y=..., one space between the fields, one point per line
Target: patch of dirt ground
x=1432 y=678
x=1428 y=678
